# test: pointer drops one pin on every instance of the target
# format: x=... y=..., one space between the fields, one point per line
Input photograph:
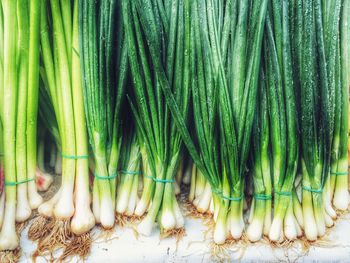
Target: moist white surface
x=124 y=246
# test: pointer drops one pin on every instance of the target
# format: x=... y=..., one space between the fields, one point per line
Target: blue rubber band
x=219 y=193
x=235 y=199
x=339 y=173
x=262 y=197
x=164 y=181
x=283 y=193
x=316 y=191
x=105 y=177
x=17 y=183
x=75 y=157
x=130 y=172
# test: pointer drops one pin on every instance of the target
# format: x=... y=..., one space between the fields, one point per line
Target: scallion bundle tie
x=75 y=157
x=220 y=194
x=105 y=177
x=235 y=199
x=130 y=172
x=283 y=193
x=164 y=181
x=262 y=197
x=339 y=173
x=309 y=189
x=19 y=182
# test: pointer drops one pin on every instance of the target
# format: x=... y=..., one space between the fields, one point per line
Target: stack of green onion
x=68 y=211
x=102 y=49
x=20 y=23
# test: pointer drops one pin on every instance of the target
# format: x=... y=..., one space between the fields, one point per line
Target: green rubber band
x=75 y=157
x=156 y=180
x=20 y=182
x=262 y=197
x=283 y=193
x=316 y=191
x=235 y=199
x=339 y=173
x=130 y=172
x=105 y=177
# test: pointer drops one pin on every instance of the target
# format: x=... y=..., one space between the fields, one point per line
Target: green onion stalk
x=8 y=235
x=129 y=174
x=150 y=149
x=178 y=72
x=187 y=165
x=43 y=178
x=183 y=175
x=208 y=60
x=205 y=93
x=57 y=80
x=236 y=63
x=147 y=182
x=147 y=150
x=339 y=176
x=165 y=27
x=122 y=77
x=242 y=80
x=204 y=99
x=58 y=162
x=179 y=175
x=63 y=100
x=83 y=219
x=332 y=53
x=211 y=54
x=41 y=147
x=53 y=155
x=200 y=192
x=103 y=52
x=23 y=210
x=32 y=100
x=20 y=57
x=48 y=119
x=296 y=26
x=261 y=209
x=281 y=93
x=2 y=192
x=319 y=85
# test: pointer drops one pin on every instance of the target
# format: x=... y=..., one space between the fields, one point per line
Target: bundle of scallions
x=162 y=31
x=129 y=101
x=102 y=49
x=67 y=213
x=20 y=25
x=224 y=74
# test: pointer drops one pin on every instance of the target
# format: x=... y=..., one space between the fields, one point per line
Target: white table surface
x=124 y=246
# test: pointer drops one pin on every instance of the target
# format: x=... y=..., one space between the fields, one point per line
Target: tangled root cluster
x=53 y=235
x=10 y=256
